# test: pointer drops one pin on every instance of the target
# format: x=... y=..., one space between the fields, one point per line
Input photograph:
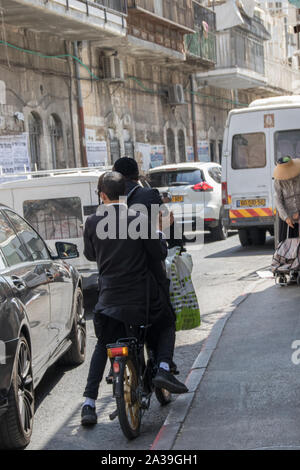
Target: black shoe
x=166 y=380
x=88 y=415
x=110 y=378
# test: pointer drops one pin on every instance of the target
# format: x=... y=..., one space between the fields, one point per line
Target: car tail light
x=203 y=186
x=114 y=352
x=224 y=193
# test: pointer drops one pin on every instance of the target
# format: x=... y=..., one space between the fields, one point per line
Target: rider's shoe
x=165 y=379
x=88 y=415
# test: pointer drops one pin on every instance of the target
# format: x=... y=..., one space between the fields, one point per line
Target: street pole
x=194 y=123
x=84 y=162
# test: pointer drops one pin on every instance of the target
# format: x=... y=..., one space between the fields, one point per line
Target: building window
x=57 y=144
x=181 y=146
x=115 y=150
x=171 y=146
x=220 y=146
x=212 y=146
x=35 y=131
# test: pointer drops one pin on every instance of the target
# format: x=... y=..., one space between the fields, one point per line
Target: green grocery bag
x=182 y=293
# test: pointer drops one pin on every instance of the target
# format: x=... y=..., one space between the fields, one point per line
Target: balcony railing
x=204 y=14
x=117 y=5
x=201 y=46
x=69 y=19
x=173 y=11
x=281 y=76
x=237 y=49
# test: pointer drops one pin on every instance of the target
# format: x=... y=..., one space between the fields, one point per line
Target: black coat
x=124 y=274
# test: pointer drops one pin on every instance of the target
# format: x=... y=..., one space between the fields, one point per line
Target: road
x=222 y=271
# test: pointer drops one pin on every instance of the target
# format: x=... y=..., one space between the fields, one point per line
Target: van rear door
x=249 y=171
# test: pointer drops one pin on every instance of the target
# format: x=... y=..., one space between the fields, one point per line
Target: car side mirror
x=66 y=250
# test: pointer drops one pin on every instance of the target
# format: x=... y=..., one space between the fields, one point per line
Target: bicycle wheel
x=128 y=406
x=163 y=396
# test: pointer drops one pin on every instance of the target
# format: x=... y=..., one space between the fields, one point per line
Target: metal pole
x=194 y=124
x=84 y=161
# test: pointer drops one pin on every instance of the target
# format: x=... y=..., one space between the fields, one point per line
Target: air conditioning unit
x=112 y=68
x=176 y=95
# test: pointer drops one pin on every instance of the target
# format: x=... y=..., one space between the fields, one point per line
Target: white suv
x=193 y=183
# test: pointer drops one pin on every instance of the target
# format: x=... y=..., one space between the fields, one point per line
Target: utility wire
x=130 y=77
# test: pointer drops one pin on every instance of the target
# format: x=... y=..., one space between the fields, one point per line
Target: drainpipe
x=194 y=124
x=84 y=162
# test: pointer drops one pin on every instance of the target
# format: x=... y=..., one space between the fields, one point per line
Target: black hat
x=128 y=167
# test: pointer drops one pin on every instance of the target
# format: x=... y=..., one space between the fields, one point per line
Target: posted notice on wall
x=190 y=153
x=96 y=152
x=149 y=156
x=143 y=156
x=14 y=157
x=203 y=151
x=157 y=155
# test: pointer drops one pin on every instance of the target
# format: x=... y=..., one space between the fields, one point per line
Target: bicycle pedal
x=109 y=380
x=113 y=415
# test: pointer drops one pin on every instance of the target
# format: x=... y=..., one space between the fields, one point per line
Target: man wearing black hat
x=148 y=197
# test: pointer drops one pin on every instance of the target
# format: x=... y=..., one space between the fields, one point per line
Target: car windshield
x=175 y=178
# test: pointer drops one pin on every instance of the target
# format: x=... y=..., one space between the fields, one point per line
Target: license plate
x=251 y=203
x=177 y=198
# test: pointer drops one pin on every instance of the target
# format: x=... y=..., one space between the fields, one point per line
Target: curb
x=169 y=431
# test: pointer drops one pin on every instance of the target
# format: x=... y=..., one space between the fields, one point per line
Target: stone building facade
x=145 y=74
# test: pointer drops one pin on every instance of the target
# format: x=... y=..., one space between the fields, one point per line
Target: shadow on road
x=236 y=251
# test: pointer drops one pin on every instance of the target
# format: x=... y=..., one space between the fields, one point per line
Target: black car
x=41 y=320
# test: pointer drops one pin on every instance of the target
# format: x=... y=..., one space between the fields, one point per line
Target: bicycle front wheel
x=129 y=410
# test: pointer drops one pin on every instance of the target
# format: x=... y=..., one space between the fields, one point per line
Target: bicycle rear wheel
x=129 y=410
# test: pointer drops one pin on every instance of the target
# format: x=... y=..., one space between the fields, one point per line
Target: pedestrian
x=287 y=196
x=148 y=198
x=124 y=277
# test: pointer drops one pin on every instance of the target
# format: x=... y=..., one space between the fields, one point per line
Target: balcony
x=68 y=19
x=173 y=14
x=281 y=78
x=239 y=64
x=201 y=47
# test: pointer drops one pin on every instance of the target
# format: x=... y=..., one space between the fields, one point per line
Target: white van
x=56 y=203
x=254 y=139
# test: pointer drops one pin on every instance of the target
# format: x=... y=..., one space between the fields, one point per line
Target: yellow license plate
x=251 y=202
x=177 y=198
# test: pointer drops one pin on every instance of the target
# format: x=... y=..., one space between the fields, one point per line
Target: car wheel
x=244 y=236
x=16 y=424
x=220 y=232
x=258 y=236
x=76 y=354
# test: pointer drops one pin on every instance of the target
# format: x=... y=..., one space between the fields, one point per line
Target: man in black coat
x=124 y=282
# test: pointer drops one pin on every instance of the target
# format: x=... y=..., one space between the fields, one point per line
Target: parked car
x=41 y=320
x=197 y=184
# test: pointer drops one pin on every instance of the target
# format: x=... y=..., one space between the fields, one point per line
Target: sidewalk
x=244 y=389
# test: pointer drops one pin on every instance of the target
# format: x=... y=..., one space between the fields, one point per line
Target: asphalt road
x=221 y=273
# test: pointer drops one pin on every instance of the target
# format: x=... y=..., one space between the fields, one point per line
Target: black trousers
x=160 y=339
x=284 y=232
